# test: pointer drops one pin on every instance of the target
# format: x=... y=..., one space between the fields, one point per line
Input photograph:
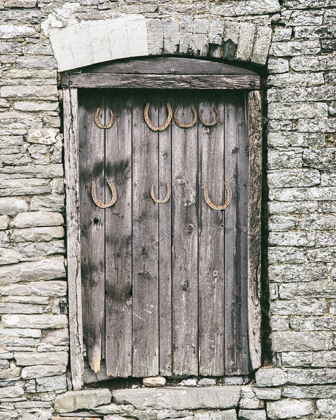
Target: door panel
x=118 y=237
x=145 y=239
x=164 y=285
x=185 y=239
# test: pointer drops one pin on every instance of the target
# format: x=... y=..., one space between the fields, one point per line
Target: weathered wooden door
x=164 y=285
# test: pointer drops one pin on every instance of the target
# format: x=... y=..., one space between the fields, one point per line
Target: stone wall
x=294 y=43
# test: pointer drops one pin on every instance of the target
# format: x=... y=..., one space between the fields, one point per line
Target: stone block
x=306 y=307
x=89 y=42
x=311 y=391
x=47 y=136
x=297 y=273
x=216 y=38
x=36 y=359
x=270 y=377
x=317 y=289
x=17 y=31
x=261 y=45
x=85 y=400
x=292 y=238
x=11 y=206
x=12 y=187
x=48 y=289
x=171 y=36
x=52 y=202
x=154 y=381
x=297 y=359
x=311 y=376
x=320 y=159
x=37 y=250
x=287 y=408
x=180 y=398
x=4 y=221
x=37 y=234
x=11 y=392
x=9 y=256
x=326 y=408
x=293 y=178
x=35 y=321
x=51 y=384
x=47 y=269
x=252 y=414
x=155 y=36
x=313 y=324
x=278 y=65
x=33 y=372
x=246 y=41
x=40 y=92
x=268 y=394
x=12 y=372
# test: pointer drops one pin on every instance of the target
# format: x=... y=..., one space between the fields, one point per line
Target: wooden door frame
x=161 y=73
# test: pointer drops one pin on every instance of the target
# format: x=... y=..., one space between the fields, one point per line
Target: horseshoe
x=185 y=125
x=164 y=200
x=162 y=127
x=100 y=125
x=211 y=204
x=209 y=124
x=96 y=199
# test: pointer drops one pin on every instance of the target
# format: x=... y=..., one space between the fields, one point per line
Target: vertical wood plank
x=118 y=237
x=211 y=241
x=71 y=163
x=254 y=225
x=185 y=240
x=164 y=175
x=145 y=239
x=91 y=168
x=236 y=173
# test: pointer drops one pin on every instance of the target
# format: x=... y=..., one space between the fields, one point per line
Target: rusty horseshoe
x=209 y=124
x=154 y=127
x=96 y=199
x=211 y=204
x=185 y=125
x=99 y=124
x=164 y=200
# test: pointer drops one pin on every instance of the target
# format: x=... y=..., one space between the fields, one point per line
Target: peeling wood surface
x=254 y=225
x=71 y=153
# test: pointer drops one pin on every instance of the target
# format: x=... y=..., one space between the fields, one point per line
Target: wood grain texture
x=118 y=237
x=71 y=163
x=165 y=240
x=211 y=241
x=91 y=168
x=254 y=225
x=165 y=81
x=165 y=65
x=236 y=173
x=145 y=239
x=185 y=240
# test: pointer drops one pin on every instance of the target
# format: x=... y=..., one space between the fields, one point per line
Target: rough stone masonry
x=294 y=42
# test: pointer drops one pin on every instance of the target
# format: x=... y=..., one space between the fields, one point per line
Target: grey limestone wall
x=293 y=42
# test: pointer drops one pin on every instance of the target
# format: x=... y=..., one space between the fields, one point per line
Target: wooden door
x=164 y=285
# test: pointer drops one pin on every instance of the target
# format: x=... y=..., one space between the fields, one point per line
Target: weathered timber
x=91 y=168
x=211 y=240
x=71 y=162
x=164 y=65
x=118 y=238
x=150 y=81
x=185 y=240
x=165 y=240
x=145 y=239
x=236 y=173
x=254 y=225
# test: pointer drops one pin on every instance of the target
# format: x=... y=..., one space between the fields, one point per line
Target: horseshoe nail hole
x=95 y=220
x=215 y=273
